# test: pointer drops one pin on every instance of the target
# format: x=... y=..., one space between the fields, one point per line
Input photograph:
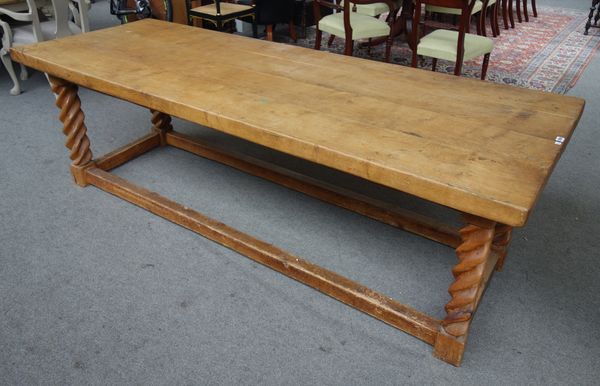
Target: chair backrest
x=80 y=11
x=466 y=6
x=62 y=15
x=30 y=16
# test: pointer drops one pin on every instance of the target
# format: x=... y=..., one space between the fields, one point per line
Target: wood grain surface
x=481 y=148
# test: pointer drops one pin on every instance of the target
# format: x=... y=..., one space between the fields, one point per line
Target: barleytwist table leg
x=469 y=281
x=500 y=244
x=161 y=123
x=468 y=277
x=74 y=127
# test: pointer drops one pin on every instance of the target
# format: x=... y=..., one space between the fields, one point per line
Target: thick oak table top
x=478 y=147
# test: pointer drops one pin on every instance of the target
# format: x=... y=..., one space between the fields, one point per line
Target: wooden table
x=483 y=149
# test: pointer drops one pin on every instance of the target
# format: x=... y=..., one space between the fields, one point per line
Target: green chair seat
x=455 y=11
x=442 y=44
x=363 y=26
x=373 y=10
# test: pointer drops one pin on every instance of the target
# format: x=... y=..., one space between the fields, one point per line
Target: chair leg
x=519 y=18
x=525 y=13
x=486 y=61
x=494 y=21
x=349 y=47
x=330 y=40
x=511 y=15
x=293 y=31
x=270 y=32
x=482 y=30
x=388 y=48
x=24 y=74
x=434 y=64
x=318 y=39
x=254 y=28
x=303 y=20
x=505 y=13
x=458 y=66
x=16 y=90
x=533 y=8
x=414 y=58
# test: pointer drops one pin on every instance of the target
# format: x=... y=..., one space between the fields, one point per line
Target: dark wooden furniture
x=304 y=15
x=271 y=12
x=450 y=45
x=220 y=12
x=507 y=14
x=492 y=10
x=402 y=24
x=487 y=7
x=508 y=9
x=595 y=7
x=483 y=149
x=525 y=10
x=350 y=24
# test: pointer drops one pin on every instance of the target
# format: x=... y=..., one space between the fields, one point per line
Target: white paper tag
x=559 y=140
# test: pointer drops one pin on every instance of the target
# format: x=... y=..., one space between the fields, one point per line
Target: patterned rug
x=548 y=53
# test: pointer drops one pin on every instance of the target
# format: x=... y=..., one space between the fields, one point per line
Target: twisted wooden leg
x=500 y=244
x=73 y=127
x=161 y=123
x=470 y=276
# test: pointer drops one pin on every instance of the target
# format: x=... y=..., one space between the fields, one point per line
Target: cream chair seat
x=363 y=26
x=441 y=44
x=373 y=10
x=454 y=11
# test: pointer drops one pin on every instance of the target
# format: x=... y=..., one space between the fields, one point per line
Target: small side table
x=595 y=7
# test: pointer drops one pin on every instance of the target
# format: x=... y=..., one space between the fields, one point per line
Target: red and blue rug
x=548 y=53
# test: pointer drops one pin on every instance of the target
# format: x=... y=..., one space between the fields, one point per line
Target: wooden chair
x=480 y=7
x=525 y=10
x=219 y=12
x=36 y=31
x=452 y=45
x=350 y=24
x=508 y=12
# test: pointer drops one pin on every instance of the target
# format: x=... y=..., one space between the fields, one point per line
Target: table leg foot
x=72 y=117
x=476 y=263
x=449 y=348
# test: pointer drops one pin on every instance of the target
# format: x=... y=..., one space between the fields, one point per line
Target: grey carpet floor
x=94 y=290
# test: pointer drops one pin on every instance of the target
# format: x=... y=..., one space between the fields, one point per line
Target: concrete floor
x=96 y=291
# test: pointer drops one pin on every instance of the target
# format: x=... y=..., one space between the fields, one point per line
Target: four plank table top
x=483 y=149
